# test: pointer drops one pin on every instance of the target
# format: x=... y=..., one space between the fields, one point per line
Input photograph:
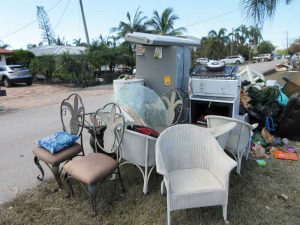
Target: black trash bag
x=263 y=104
x=266 y=96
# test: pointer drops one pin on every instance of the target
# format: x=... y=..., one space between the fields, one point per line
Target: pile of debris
x=276 y=109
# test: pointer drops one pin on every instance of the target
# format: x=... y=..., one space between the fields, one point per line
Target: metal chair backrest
x=72 y=114
x=173 y=102
x=110 y=121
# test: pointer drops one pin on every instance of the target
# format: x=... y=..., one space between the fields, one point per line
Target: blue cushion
x=57 y=141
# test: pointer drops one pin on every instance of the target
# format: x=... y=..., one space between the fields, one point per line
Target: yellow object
x=167 y=80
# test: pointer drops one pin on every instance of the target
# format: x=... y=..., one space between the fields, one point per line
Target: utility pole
x=84 y=23
x=231 y=49
x=287 y=42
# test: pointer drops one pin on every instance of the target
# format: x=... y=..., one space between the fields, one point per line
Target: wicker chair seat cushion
x=92 y=168
x=193 y=181
x=59 y=157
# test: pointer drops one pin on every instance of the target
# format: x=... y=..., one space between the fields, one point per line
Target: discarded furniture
x=139 y=149
x=221 y=133
x=173 y=102
x=195 y=168
x=291 y=86
x=251 y=75
x=283 y=67
x=72 y=117
x=95 y=167
x=289 y=120
x=164 y=62
x=214 y=93
x=239 y=139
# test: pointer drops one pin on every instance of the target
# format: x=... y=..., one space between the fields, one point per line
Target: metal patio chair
x=72 y=117
x=95 y=167
x=195 y=168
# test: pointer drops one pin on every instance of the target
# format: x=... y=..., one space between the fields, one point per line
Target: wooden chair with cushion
x=72 y=117
x=95 y=167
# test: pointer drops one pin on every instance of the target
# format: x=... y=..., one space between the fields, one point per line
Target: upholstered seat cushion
x=193 y=181
x=91 y=168
x=57 y=158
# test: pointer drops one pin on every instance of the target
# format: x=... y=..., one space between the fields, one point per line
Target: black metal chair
x=95 y=167
x=72 y=117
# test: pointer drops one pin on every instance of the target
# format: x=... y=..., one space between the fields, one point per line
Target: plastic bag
x=286 y=155
x=282 y=99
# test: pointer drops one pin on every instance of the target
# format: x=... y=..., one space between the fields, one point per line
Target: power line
x=29 y=24
x=62 y=15
x=208 y=19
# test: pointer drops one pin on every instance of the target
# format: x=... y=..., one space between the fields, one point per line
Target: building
x=3 y=53
x=57 y=50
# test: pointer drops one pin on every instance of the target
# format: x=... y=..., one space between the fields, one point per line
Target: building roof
x=5 y=51
x=161 y=40
x=57 y=49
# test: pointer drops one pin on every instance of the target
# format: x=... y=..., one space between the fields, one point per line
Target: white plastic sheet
x=143 y=105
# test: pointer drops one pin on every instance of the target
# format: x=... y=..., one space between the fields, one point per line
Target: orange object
x=285 y=155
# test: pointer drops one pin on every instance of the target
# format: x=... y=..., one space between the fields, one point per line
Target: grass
x=254 y=198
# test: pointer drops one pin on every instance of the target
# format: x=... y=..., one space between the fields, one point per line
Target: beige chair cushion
x=57 y=158
x=194 y=181
x=91 y=168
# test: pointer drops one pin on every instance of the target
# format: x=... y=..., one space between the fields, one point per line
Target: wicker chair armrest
x=221 y=165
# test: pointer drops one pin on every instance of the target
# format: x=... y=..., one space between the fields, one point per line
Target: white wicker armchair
x=239 y=139
x=139 y=149
x=195 y=168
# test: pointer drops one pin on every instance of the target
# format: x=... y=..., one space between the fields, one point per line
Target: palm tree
x=217 y=42
x=77 y=42
x=3 y=45
x=242 y=34
x=255 y=35
x=137 y=24
x=164 y=24
x=31 y=46
x=259 y=10
x=59 y=41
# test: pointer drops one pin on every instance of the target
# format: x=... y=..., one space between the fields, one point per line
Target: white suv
x=202 y=61
x=234 y=59
x=263 y=58
x=10 y=74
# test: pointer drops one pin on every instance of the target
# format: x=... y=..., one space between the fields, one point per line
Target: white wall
x=2 y=60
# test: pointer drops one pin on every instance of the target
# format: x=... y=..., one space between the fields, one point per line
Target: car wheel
x=6 y=82
x=237 y=62
x=265 y=60
x=29 y=83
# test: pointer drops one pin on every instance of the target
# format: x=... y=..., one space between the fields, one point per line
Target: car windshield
x=17 y=68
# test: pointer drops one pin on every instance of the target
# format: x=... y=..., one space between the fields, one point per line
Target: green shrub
x=44 y=65
x=20 y=56
x=73 y=68
x=108 y=77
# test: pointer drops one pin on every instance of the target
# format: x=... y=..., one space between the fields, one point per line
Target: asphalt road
x=263 y=67
x=18 y=132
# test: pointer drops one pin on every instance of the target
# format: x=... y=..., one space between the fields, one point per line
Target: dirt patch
x=22 y=97
x=254 y=198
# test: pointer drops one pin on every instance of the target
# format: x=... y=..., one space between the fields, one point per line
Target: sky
x=19 y=25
